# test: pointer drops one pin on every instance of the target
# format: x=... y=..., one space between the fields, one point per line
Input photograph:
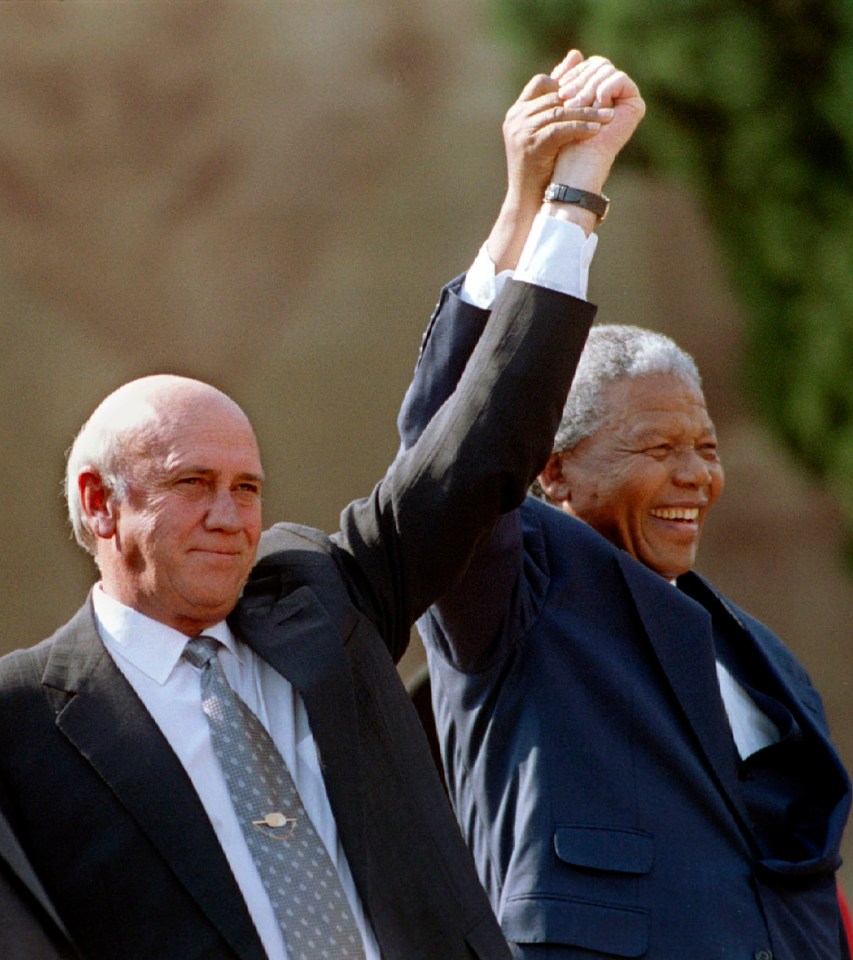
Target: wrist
x=509 y=233
x=596 y=203
x=574 y=205
x=570 y=213
x=522 y=205
x=590 y=174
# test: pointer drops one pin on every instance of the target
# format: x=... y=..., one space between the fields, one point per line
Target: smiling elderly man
x=639 y=768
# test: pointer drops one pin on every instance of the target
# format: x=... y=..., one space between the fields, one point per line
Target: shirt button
x=763 y=955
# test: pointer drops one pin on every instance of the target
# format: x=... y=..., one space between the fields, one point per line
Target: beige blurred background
x=269 y=196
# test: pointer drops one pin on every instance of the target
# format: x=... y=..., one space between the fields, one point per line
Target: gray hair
x=105 y=444
x=612 y=352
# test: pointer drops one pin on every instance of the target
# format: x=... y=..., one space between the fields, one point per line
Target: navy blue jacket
x=587 y=752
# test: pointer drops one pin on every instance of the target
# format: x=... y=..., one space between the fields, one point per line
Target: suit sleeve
x=453 y=332
x=481 y=435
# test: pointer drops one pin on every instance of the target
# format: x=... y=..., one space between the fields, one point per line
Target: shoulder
x=283 y=538
x=561 y=539
x=24 y=668
x=292 y=557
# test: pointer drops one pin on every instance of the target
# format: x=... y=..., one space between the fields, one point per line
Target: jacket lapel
x=681 y=635
x=792 y=689
x=107 y=723
x=794 y=692
x=293 y=632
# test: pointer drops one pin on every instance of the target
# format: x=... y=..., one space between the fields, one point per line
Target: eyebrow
x=209 y=471
x=656 y=435
x=256 y=477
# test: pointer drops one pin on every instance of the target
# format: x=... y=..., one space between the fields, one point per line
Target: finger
x=618 y=86
x=552 y=107
x=558 y=135
x=571 y=59
x=583 y=87
x=563 y=124
x=578 y=75
x=526 y=120
x=574 y=114
x=538 y=86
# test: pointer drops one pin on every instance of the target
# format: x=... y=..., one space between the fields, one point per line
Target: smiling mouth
x=681 y=514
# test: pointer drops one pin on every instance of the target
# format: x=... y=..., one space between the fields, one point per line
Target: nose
x=691 y=470
x=223 y=513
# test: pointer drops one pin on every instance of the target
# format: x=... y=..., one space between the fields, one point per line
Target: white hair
x=612 y=352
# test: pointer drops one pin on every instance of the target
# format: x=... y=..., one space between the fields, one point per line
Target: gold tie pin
x=276 y=825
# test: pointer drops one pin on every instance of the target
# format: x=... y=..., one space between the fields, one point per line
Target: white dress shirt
x=752 y=729
x=148 y=653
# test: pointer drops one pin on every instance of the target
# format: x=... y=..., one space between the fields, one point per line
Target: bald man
x=110 y=770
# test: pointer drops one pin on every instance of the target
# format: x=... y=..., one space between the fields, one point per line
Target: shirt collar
x=149 y=645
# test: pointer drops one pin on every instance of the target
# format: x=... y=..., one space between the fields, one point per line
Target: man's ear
x=98 y=504
x=553 y=480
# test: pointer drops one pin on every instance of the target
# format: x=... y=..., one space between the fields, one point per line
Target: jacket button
x=763 y=955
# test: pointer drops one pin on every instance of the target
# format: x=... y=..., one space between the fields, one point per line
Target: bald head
x=127 y=424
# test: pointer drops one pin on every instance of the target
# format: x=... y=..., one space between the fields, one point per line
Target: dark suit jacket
x=106 y=812
x=587 y=750
x=29 y=926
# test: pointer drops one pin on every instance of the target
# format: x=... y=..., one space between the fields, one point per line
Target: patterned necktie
x=300 y=878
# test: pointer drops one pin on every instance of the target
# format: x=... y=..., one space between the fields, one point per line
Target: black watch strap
x=597 y=203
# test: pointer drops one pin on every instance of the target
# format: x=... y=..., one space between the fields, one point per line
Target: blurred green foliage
x=750 y=104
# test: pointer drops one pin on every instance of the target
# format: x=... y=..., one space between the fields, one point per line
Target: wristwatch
x=597 y=203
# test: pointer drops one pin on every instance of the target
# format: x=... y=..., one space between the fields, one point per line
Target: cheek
x=718 y=483
x=253 y=524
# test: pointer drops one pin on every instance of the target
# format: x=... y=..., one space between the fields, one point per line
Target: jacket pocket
x=605 y=848
x=620 y=931
x=602 y=867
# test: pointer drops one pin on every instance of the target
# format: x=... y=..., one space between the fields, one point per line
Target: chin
x=213 y=608
x=669 y=569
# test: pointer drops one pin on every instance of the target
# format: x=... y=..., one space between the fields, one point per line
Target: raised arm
x=536 y=127
x=545 y=140
x=479 y=450
x=532 y=151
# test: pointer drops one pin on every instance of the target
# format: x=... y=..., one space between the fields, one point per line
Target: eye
x=659 y=451
x=708 y=451
x=188 y=482
x=191 y=485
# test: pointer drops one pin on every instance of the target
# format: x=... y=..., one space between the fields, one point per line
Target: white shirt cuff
x=557 y=255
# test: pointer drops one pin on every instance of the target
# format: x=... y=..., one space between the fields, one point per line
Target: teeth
x=677 y=513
